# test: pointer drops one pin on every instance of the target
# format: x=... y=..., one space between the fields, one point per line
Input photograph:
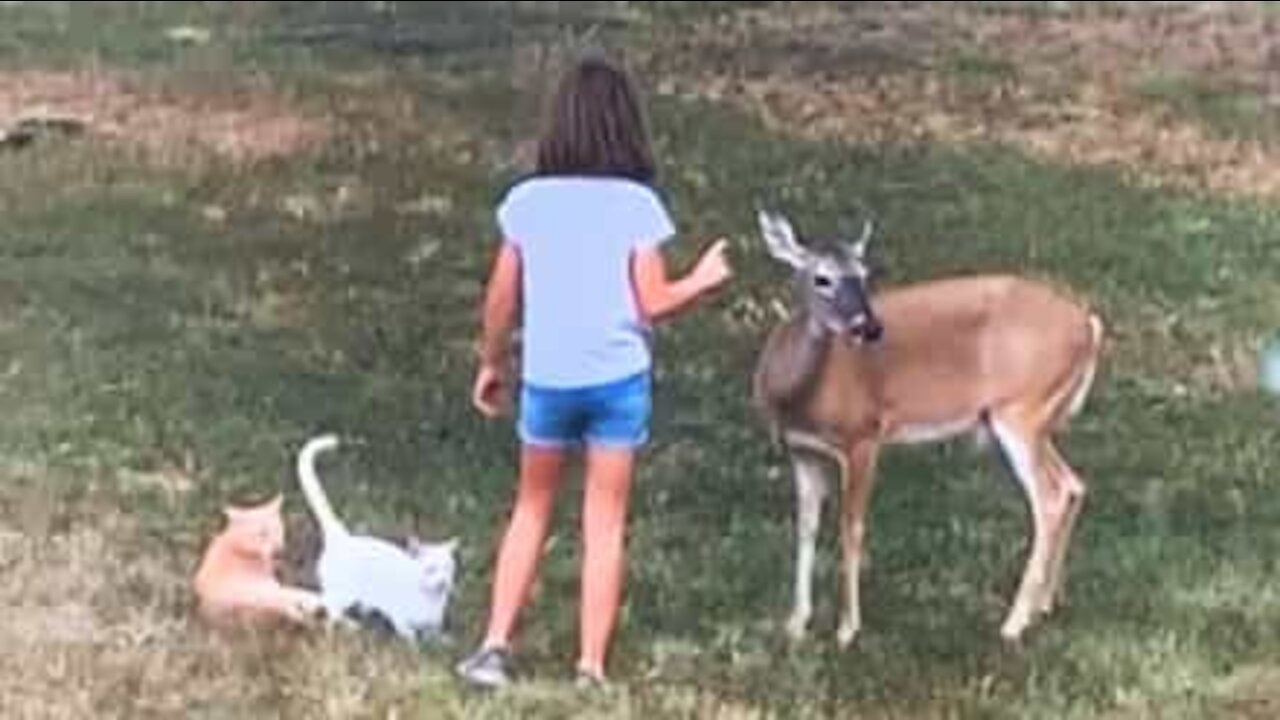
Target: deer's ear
x=780 y=239
x=859 y=246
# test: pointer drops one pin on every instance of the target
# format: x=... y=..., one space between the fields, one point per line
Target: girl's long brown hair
x=595 y=126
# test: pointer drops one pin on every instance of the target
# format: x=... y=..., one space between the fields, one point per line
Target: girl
x=580 y=257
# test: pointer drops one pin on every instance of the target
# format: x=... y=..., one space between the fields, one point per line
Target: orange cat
x=236 y=581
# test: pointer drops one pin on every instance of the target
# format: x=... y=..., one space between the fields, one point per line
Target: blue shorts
x=614 y=415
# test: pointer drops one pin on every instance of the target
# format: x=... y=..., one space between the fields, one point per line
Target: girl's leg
x=540 y=471
x=604 y=515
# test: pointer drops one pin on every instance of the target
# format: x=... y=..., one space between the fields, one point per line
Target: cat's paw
x=337 y=618
x=433 y=635
x=306 y=608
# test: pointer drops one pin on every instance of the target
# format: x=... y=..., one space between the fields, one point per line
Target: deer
x=849 y=372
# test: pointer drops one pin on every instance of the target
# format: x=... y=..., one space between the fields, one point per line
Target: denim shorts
x=614 y=414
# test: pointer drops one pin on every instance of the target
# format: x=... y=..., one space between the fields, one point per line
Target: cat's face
x=257 y=529
x=438 y=562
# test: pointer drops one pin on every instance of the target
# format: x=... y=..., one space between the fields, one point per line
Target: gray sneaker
x=588 y=681
x=488 y=667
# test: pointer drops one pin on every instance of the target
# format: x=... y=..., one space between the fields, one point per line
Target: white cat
x=363 y=574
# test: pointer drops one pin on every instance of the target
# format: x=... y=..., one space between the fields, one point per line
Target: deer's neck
x=792 y=372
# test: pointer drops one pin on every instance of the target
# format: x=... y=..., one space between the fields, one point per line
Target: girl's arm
x=498 y=317
x=502 y=298
x=659 y=297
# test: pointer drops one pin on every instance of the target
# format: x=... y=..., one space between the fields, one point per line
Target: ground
x=228 y=226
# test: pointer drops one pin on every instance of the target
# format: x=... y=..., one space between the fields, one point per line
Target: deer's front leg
x=811 y=488
x=857 y=477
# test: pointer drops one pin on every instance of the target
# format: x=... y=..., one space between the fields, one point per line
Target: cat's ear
x=451 y=545
x=274 y=504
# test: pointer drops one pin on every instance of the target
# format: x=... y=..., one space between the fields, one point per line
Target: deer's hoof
x=847 y=633
x=1011 y=631
x=797 y=627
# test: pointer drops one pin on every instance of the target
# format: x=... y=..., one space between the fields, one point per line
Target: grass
x=172 y=331
x=1232 y=112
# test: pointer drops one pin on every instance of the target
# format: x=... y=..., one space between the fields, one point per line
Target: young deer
x=928 y=362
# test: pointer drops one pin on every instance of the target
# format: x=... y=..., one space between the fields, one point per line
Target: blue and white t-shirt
x=575 y=236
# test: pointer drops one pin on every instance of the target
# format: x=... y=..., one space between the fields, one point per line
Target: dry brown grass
x=869 y=74
x=243 y=127
x=98 y=623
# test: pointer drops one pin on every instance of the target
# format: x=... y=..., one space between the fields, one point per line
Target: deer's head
x=831 y=278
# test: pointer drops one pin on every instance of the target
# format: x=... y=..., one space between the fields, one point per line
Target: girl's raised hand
x=713 y=268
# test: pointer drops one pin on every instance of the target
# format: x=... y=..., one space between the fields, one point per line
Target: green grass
x=138 y=334
x=1230 y=111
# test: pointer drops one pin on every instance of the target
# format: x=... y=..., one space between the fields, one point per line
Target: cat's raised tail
x=329 y=523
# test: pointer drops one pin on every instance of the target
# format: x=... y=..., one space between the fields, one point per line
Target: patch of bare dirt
x=1061 y=85
x=247 y=127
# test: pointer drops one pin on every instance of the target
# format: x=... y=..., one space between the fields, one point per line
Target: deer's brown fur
x=996 y=353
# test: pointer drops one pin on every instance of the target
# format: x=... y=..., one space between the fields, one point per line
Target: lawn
x=274 y=220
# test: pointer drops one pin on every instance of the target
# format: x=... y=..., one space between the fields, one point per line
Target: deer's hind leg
x=1022 y=438
x=1074 y=490
x=1068 y=482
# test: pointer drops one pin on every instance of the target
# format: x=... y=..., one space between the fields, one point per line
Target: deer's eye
x=822 y=282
